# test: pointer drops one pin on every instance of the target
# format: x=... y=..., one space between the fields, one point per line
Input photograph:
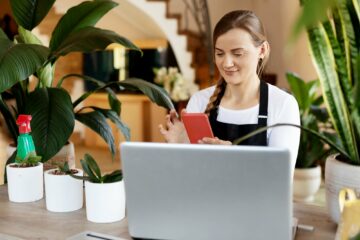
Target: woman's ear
x=264 y=50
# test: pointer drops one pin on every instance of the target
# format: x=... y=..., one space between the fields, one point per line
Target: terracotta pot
x=339 y=175
x=306 y=183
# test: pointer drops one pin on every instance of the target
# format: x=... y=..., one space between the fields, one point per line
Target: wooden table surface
x=33 y=221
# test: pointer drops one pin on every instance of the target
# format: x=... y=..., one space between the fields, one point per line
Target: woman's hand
x=215 y=140
x=175 y=131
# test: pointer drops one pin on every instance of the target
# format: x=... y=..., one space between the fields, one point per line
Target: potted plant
x=25 y=179
x=50 y=105
x=307 y=175
x=63 y=193
x=334 y=48
x=104 y=194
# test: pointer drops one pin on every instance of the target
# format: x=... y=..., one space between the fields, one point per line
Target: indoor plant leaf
x=89 y=39
x=115 y=118
x=83 y=15
x=157 y=94
x=97 y=122
x=52 y=120
x=323 y=59
x=29 y=13
x=46 y=73
x=2 y=34
x=88 y=170
x=92 y=165
x=19 y=61
x=114 y=176
x=299 y=90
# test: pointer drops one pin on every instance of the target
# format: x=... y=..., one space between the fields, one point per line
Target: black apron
x=231 y=132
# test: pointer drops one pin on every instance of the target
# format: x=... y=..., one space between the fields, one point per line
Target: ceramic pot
x=306 y=183
x=339 y=175
x=25 y=184
x=105 y=202
x=63 y=193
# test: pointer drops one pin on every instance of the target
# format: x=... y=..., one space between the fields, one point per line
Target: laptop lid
x=184 y=191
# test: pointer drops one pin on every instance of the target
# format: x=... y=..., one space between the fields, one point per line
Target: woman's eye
x=238 y=54
x=219 y=54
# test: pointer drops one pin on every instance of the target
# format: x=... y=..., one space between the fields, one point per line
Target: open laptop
x=191 y=191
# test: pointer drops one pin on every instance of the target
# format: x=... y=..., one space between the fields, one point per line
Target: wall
x=278 y=17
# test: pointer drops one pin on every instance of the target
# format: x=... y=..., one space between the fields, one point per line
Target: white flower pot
x=337 y=176
x=105 y=202
x=25 y=184
x=306 y=183
x=63 y=193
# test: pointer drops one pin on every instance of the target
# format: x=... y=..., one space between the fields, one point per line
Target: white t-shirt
x=282 y=108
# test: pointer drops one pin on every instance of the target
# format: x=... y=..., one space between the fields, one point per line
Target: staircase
x=189 y=50
x=195 y=46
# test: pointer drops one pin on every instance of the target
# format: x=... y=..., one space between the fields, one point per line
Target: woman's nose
x=228 y=62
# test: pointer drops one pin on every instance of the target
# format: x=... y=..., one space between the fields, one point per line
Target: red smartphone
x=197 y=126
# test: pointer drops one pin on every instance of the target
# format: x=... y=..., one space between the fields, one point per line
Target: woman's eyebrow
x=232 y=50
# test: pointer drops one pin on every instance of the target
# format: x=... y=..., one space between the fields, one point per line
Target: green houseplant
x=335 y=50
x=307 y=175
x=104 y=193
x=50 y=105
x=311 y=148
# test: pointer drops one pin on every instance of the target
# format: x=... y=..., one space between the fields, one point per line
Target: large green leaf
x=311 y=14
x=45 y=74
x=52 y=120
x=19 y=61
x=340 y=61
x=96 y=121
x=115 y=118
x=348 y=35
x=9 y=119
x=29 y=13
x=156 y=94
x=299 y=90
x=2 y=34
x=83 y=15
x=89 y=39
x=323 y=59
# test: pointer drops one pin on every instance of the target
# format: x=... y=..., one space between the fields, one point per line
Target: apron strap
x=263 y=105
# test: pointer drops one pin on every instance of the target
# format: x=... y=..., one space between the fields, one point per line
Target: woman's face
x=236 y=56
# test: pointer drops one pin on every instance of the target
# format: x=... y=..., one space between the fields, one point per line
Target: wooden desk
x=33 y=221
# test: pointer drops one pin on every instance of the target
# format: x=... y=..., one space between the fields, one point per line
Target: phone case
x=197 y=126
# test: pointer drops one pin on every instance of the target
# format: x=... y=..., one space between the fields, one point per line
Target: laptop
x=195 y=191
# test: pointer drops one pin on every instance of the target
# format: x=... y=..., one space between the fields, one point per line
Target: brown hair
x=249 y=22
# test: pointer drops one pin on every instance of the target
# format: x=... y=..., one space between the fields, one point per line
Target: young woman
x=240 y=102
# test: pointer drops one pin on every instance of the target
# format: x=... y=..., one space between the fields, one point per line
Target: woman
x=240 y=102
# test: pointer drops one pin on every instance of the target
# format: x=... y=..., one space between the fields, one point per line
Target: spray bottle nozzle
x=24 y=123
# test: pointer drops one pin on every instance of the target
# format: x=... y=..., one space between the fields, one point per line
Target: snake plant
x=53 y=112
x=335 y=52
